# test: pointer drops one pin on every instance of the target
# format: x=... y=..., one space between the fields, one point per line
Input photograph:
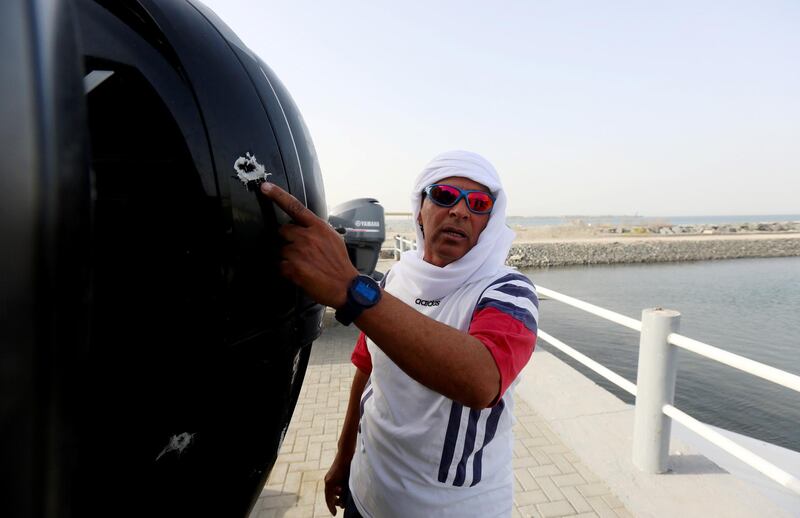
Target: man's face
x=451 y=232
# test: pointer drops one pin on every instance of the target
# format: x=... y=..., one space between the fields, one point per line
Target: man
x=428 y=425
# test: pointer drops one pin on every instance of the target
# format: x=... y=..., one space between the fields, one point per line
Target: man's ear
x=419 y=222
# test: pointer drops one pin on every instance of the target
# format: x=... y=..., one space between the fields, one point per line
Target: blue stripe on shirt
x=521 y=314
x=517 y=291
x=511 y=277
x=491 y=428
x=364 y=399
x=469 y=445
x=450 y=439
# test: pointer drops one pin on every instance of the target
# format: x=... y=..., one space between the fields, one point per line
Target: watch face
x=365 y=291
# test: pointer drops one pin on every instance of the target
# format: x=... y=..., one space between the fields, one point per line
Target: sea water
x=404 y=224
x=747 y=306
x=646 y=220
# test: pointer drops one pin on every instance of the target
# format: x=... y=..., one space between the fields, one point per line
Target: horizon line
x=795 y=216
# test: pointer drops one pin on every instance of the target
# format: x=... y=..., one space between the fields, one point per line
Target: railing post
x=655 y=387
x=396 y=248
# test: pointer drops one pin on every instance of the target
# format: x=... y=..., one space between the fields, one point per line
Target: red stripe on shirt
x=509 y=342
x=360 y=357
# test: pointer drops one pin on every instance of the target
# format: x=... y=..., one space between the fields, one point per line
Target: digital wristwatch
x=363 y=293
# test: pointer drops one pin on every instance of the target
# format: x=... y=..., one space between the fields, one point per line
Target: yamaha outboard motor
x=364 y=231
x=151 y=352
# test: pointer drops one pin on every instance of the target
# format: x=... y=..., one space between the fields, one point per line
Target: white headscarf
x=488 y=255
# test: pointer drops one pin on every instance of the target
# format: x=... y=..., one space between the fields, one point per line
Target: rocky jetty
x=545 y=254
x=704 y=229
x=652 y=243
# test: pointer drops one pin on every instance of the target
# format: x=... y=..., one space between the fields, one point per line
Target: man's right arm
x=337 y=477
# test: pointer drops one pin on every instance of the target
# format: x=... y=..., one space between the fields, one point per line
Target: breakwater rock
x=544 y=254
x=703 y=228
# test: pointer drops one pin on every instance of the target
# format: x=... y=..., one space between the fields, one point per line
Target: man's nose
x=460 y=209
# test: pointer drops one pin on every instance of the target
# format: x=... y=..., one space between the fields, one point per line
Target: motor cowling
x=364 y=226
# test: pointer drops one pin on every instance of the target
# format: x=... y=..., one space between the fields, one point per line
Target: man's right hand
x=314 y=257
x=336 y=481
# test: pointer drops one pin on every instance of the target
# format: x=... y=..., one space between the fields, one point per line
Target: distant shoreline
x=580 y=244
x=633 y=238
x=543 y=253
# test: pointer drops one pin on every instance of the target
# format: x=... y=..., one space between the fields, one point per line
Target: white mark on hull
x=249 y=170
x=177 y=443
x=295 y=367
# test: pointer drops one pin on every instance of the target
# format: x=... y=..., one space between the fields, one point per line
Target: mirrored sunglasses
x=478 y=202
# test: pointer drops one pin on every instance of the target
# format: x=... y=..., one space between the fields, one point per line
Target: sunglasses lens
x=444 y=195
x=480 y=202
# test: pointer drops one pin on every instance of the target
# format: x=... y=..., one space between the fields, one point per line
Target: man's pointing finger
x=290 y=205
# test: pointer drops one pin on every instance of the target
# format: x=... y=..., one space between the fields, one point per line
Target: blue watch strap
x=363 y=293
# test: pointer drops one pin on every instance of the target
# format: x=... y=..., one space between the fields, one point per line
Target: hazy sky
x=592 y=107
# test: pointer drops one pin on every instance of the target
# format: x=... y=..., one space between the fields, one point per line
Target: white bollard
x=655 y=387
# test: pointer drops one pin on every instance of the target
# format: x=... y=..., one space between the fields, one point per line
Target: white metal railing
x=399 y=244
x=656 y=388
x=748 y=457
x=605 y=372
x=628 y=322
x=402 y=244
x=737 y=362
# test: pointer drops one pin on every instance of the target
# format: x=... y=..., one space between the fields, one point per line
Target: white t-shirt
x=419 y=453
